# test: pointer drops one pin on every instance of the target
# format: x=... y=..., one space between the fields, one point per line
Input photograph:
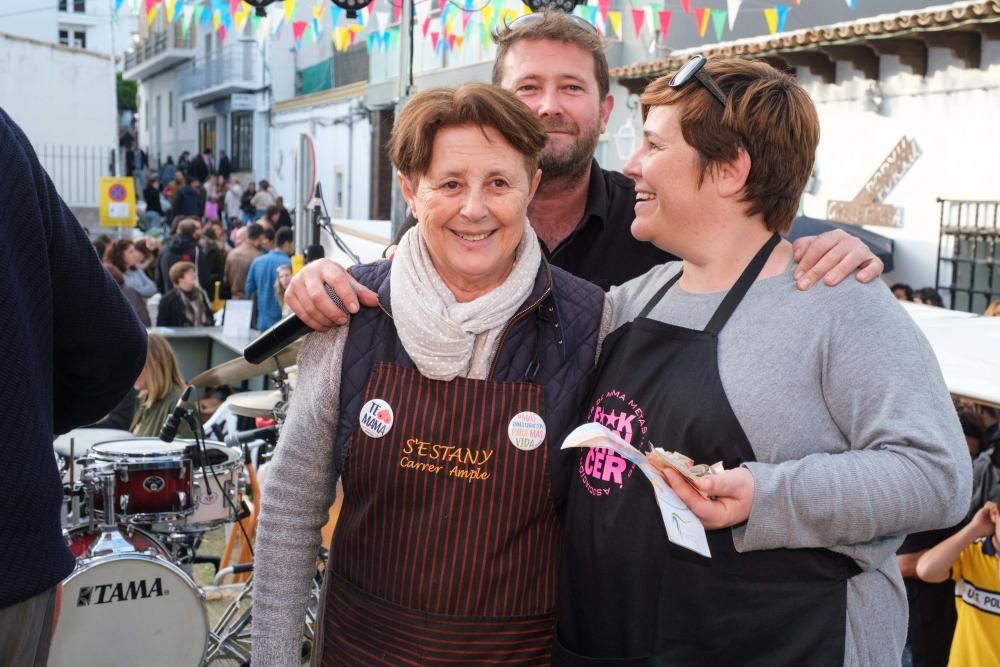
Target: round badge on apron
x=526 y=431
x=376 y=418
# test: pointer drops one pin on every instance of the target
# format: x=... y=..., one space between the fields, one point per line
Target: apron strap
x=742 y=286
x=659 y=295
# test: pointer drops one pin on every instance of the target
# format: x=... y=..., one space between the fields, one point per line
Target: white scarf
x=443 y=337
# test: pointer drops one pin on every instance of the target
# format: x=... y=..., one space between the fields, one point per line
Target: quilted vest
x=552 y=341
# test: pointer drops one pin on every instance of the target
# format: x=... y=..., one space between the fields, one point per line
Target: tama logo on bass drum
x=120 y=592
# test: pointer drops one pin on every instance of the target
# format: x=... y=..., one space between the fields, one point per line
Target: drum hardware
x=238 y=370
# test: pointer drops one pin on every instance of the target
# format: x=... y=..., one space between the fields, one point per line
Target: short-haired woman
x=827 y=409
x=160 y=385
x=186 y=305
x=441 y=412
x=127 y=258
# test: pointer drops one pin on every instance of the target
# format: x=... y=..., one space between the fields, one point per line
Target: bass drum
x=128 y=608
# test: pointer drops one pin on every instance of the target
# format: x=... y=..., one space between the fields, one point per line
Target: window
x=170 y=109
x=206 y=134
x=79 y=6
x=184 y=112
x=80 y=39
x=147 y=114
x=242 y=141
x=62 y=5
x=64 y=37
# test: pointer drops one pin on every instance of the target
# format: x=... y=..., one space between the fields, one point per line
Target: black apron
x=627 y=596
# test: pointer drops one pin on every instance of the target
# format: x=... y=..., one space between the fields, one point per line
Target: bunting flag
x=216 y=20
x=397 y=11
x=488 y=16
x=435 y=36
x=775 y=17
x=187 y=15
x=852 y=3
x=222 y=33
x=664 y=23
x=604 y=6
x=319 y=10
x=425 y=26
x=151 y=16
x=733 y=7
x=616 y=23
x=279 y=22
x=298 y=29
x=719 y=23
x=381 y=20
x=118 y=5
x=335 y=13
x=150 y=4
x=638 y=16
x=702 y=15
x=686 y=6
x=317 y=29
x=289 y=10
x=234 y=6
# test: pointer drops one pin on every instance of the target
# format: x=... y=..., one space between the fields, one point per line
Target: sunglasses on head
x=535 y=17
x=693 y=69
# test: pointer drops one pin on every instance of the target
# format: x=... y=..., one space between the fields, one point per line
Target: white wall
x=73 y=104
x=181 y=135
x=41 y=20
x=336 y=150
x=950 y=114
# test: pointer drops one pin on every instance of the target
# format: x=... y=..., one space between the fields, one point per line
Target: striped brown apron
x=446 y=547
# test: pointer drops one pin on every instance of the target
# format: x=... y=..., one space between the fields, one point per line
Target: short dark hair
x=907 y=290
x=283 y=236
x=768 y=114
x=268 y=233
x=930 y=296
x=558 y=27
x=254 y=231
x=188 y=226
x=477 y=104
x=269 y=211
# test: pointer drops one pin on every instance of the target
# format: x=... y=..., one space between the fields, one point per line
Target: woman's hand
x=832 y=256
x=730 y=496
x=308 y=299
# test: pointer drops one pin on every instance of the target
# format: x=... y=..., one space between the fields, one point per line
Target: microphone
x=284 y=333
x=238 y=438
x=169 y=430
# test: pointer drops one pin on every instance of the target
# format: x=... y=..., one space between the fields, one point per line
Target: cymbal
x=238 y=370
x=255 y=403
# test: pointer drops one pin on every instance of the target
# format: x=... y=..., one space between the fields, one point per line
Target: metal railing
x=969 y=253
x=237 y=66
x=76 y=170
x=158 y=42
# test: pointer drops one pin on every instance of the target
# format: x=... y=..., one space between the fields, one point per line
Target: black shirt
x=601 y=249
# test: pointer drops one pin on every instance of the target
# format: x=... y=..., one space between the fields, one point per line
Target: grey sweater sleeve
x=299 y=490
x=906 y=468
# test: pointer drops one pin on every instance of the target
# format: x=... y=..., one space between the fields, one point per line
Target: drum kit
x=136 y=512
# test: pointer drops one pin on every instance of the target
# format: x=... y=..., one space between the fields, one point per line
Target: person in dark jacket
x=184 y=247
x=225 y=168
x=184 y=163
x=198 y=169
x=186 y=305
x=167 y=170
x=72 y=349
x=187 y=201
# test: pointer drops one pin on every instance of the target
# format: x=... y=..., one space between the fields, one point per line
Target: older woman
x=438 y=411
x=835 y=446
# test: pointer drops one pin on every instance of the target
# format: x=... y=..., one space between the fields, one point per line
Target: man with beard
x=555 y=63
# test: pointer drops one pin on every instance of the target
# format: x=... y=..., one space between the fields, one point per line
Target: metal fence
x=76 y=170
x=237 y=65
x=969 y=253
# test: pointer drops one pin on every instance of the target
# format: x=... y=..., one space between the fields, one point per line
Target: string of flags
x=444 y=24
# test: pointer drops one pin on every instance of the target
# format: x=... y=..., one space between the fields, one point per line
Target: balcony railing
x=157 y=43
x=236 y=68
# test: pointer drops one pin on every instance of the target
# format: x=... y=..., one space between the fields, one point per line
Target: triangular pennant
x=171 y=10
x=222 y=33
x=234 y=6
x=317 y=29
x=852 y=3
x=719 y=23
x=381 y=20
x=616 y=23
x=397 y=11
x=289 y=9
x=664 y=16
x=425 y=26
x=771 y=16
x=187 y=15
x=605 y=7
x=118 y=5
x=149 y=7
x=733 y=8
x=451 y=42
x=782 y=15
x=370 y=41
x=216 y=21
x=298 y=28
x=151 y=16
x=488 y=16
x=686 y=6
x=319 y=10
x=241 y=19
x=279 y=22
x=335 y=13
x=638 y=17
x=701 y=18
x=435 y=36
